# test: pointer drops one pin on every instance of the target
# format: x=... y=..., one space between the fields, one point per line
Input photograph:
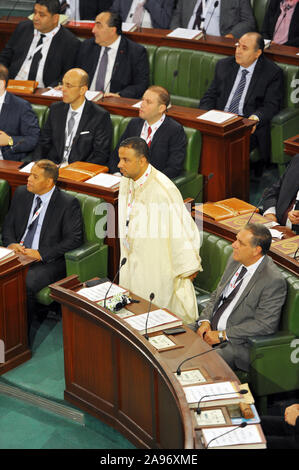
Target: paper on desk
x=276 y=233
x=156 y=318
x=241 y=436
x=27 y=168
x=218 y=117
x=98 y=292
x=185 y=33
x=137 y=105
x=217 y=390
x=54 y=93
x=93 y=95
x=104 y=179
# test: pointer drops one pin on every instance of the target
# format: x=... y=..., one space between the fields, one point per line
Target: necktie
x=296 y=227
x=197 y=21
x=218 y=311
x=138 y=14
x=36 y=60
x=100 y=81
x=234 y=106
x=71 y=123
x=33 y=226
x=149 y=136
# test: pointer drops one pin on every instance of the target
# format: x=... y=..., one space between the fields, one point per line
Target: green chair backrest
x=94 y=214
x=185 y=73
x=4 y=200
x=291 y=85
x=151 y=52
x=42 y=112
x=259 y=8
x=116 y=120
x=290 y=312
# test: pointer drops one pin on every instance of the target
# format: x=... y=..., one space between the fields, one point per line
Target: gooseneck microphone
x=151 y=297
x=198 y=410
x=265 y=193
x=204 y=30
x=219 y=346
x=12 y=10
x=242 y=425
x=108 y=84
x=207 y=179
x=123 y=261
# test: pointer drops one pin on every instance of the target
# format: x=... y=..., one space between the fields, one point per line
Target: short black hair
x=50 y=169
x=261 y=236
x=53 y=6
x=114 y=21
x=260 y=43
x=4 y=74
x=138 y=145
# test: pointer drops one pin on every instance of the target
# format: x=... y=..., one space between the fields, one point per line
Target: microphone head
x=152 y=296
x=243 y=391
x=243 y=424
x=123 y=261
x=216 y=4
x=175 y=73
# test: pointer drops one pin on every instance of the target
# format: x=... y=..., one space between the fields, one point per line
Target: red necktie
x=149 y=136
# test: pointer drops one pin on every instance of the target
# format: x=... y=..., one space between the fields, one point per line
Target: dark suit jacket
x=92 y=142
x=236 y=16
x=168 y=147
x=270 y=19
x=62 y=226
x=159 y=10
x=130 y=76
x=264 y=97
x=60 y=58
x=19 y=121
x=89 y=9
x=257 y=312
x=282 y=193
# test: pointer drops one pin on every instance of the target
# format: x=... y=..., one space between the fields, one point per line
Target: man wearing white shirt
x=116 y=65
x=40 y=49
x=248 y=299
x=229 y=18
x=146 y=13
x=76 y=129
x=281 y=201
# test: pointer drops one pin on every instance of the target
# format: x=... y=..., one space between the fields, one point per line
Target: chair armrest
x=82 y=252
x=285 y=115
x=184 y=178
x=281 y=337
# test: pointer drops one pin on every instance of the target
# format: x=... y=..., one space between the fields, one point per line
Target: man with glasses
x=249 y=85
x=76 y=129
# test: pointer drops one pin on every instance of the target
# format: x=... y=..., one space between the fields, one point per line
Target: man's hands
x=25 y=251
x=4 y=139
x=206 y=333
x=291 y=414
x=294 y=217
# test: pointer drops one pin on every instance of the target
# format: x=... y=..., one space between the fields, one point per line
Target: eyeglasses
x=69 y=85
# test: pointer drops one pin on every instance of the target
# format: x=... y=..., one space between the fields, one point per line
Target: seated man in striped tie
x=43 y=223
x=250 y=85
x=165 y=136
x=281 y=201
x=248 y=299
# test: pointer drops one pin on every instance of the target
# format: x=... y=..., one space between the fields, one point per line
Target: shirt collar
x=78 y=110
x=50 y=34
x=253 y=267
x=45 y=197
x=251 y=67
x=157 y=124
x=115 y=44
x=140 y=182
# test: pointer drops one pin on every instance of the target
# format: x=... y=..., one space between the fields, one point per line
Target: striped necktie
x=33 y=226
x=235 y=102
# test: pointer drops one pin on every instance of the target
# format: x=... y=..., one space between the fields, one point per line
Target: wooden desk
x=291 y=145
x=13 y=313
x=225 y=147
x=158 y=37
x=9 y=172
x=113 y=372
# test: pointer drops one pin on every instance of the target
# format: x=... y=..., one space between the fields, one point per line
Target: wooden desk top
x=291 y=145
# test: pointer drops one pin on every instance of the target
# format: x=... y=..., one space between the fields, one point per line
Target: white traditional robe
x=161 y=243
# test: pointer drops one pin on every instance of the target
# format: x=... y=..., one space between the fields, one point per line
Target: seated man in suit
x=165 y=136
x=250 y=85
x=84 y=9
x=41 y=49
x=76 y=129
x=282 y=432
x=115 y=65
x=248 y=299
x=281 y=201
x=146 y=13
x=43 y=223
x=19 y=129
x=229 y=18
x=281 y=22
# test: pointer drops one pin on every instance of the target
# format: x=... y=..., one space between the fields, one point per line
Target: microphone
x=265 y=192
x=175 y=74
x=219 y=346
x=242 y=425
x=152 y=296
x=108 y=84
x=123 y=261
x=12 y=10
x=198 y=410
x=205 y=29
x=207 y=178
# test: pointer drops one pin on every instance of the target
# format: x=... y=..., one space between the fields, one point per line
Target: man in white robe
x=157 y=234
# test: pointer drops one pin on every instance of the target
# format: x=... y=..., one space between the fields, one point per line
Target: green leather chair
x=4 y=200
x=273 y=358
x=151 y=52
x=190 y=182
x=185 y=73
x=90 y=259
x=42 y=112
x=259 y=8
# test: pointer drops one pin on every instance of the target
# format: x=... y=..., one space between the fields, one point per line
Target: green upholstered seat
x=259 y=8
x=90 y=259
x=42 y=112
x=151 y=51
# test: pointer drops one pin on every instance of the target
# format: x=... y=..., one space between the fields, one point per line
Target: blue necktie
x=234 y=105
x=33 y=226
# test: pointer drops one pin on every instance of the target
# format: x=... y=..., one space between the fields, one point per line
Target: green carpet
x=25 y=426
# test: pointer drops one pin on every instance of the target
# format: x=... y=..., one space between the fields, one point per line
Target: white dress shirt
x=250 y=70
x=211 y=16
x=154 y=127
x=111 y=61
x=69 y=138
x=146 y=20
x=25 y=68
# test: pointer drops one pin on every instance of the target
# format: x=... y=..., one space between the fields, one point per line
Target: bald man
x=76 y=129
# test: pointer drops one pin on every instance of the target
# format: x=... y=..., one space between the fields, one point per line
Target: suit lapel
x=85 y=117
x=60 y=134
x=120 y=59
x=230 y=80
x=158 y=133
x=255 y=278
x=48 y=215
x=4 y=115
x=254 y=79
x=26 y=206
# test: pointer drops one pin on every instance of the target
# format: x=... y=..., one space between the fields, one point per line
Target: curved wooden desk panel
x=113 y=372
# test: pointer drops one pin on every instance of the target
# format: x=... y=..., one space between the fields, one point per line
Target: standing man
x=115 y=65
x=229 y=18
x=76 y=129
x=157 y=234
x=248 y=299
x=165 y=136
x=19 y=129
x=43 y=223
x=146 y=13
x=250 y=85
x=41 y=49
